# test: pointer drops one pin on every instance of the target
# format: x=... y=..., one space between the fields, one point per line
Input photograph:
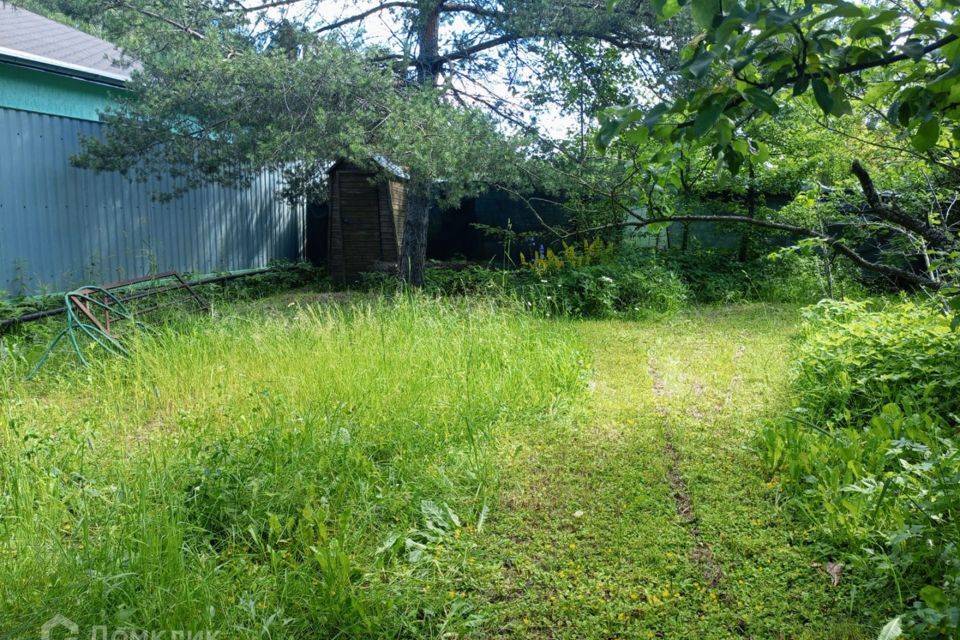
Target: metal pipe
x=40 y=315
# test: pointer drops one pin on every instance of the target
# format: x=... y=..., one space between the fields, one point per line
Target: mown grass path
x=648 y=518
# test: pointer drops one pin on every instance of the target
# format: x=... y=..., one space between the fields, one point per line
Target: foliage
x=719 y=277
x=882 y=77
x=602 y=280
x=604 y=291
x=751 y=56
x=276 y=472
x=569 y=257
x=870 y=456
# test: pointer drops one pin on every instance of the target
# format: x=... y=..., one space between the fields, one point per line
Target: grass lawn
x=412 y=469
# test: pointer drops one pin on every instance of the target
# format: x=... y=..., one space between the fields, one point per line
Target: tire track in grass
x=637 y=519
x=701 y=554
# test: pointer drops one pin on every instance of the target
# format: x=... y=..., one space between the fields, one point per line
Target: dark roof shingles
x=24 y=31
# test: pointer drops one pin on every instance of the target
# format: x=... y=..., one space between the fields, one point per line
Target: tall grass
x=282 y=475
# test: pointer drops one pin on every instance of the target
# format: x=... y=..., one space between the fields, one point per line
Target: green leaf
x=761 y=100
x=722 y=33
x=840 y=103
x=666 y=9
x=707 y=117
x=914 y=49
x=927 y=135
x=891 y=631
x=607 y=132
x=701 y=64
x=655 y=114
x=733 y=160
x=636 y=136
x=877 y=91
x=762 y=154
x=843 y=10
x=800 y=86
x=724 y=129
x=704 y=12
x=934 y=597
x=777 y=18
x=822 y=93
x=944 y=80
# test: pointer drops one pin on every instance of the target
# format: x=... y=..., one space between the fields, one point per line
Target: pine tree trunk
x=413 y=249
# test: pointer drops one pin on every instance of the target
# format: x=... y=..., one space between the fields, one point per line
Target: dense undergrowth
x=871 y=455
x=290 y=474
x=631 y=282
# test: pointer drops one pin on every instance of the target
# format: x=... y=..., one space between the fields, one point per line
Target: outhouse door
x=360 y=222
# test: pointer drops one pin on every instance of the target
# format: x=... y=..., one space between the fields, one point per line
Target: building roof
x=31 y=40
x=390 y=167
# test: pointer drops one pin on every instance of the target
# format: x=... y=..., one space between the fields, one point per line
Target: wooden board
x=360 y=223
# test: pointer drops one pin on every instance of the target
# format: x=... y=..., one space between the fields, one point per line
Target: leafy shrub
x=589 y=253
x=607 y=290
x=716 y=276
x=598 y=280
x=870 y=457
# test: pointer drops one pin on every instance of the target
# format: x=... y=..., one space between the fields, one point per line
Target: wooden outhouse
x=367 y=214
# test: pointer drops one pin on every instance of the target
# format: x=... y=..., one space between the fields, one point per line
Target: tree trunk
x=751 y=213
x=413 y=249
x=827 y=257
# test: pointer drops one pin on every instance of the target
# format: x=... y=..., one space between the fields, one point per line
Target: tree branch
x=933 y=235
x=121 y=4
x=366 y=14
x=477 y=48
x=863 y=66
x=834 y=242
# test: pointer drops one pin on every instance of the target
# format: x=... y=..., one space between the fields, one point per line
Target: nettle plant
x=890 y=69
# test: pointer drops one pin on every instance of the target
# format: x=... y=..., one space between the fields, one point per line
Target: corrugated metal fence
x=61 y=227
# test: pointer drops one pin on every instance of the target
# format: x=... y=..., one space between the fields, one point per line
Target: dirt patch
x=701 y=554
x=148 y=431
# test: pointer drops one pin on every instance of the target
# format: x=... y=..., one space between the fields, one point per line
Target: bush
x=716 y=276
x=870 y=456
x=598 y=280
x=604 y=291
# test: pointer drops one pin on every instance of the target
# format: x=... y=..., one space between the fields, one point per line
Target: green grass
x=241 y=474
x=588 y=540
x=412 y=469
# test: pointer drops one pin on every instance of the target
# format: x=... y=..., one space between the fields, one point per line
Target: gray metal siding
x=62 y=227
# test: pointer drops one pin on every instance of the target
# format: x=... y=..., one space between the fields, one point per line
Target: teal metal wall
x=63 y=227
x=52 y=94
